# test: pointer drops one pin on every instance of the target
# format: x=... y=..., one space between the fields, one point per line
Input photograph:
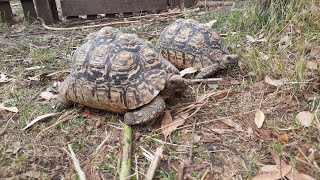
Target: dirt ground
x=220 y=137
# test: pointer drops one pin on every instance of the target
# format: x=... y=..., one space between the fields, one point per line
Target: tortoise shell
x=187 y=43
x=116 y=72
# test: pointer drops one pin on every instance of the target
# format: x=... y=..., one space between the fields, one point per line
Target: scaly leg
x=146 y=113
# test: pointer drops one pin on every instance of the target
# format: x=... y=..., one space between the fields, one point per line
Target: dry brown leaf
x=285 y=42
x=11 y=109
x=311 y=65
x=189 y=70
x=269 y=168
x=196 y=139
x=264 y=134
x=250 y=38
x=195 y=167
x=228 y=122
x=170 y=124
x=47 y=95
x=4 y=78
x=32 y=174
x=14 y=148
x=283 y=138
x=221 y=131
x=299 y=176
x=305 y=118
x=39 y=118
x=259 y=118
x=274 y=82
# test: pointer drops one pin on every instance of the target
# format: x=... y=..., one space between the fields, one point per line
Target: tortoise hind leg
x=146 y=113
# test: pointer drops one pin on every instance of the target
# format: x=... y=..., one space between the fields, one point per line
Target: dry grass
x=233 y=151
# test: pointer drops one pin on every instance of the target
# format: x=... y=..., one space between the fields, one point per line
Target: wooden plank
x=6 y=14
x=28 y=10
x=85 y=7
x=47 y=10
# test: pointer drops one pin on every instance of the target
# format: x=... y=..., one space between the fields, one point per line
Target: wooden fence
x=47 y=9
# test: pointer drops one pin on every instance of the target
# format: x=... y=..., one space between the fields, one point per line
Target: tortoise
x=188 y=43
x=120 y=73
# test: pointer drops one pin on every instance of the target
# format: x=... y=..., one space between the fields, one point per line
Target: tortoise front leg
x=147 y=113
x=62 y=102
x=207 y=72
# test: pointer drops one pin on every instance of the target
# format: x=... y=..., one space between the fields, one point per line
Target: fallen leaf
x=274 y=82
x=285 y=42
x=235 y=82
x=264 y=134
x=11 y=109
x=305 y=118
x=189 y=70
x=283 y=138
x=259 y=118
x=299 y=176
x=170 y=124
x=262 y=40
x=48 y=95
x=34 y=78
x=311 y=65
x=309 y=96
x=4 y=78
x=15 y=147
x=250 y=38
x=275 y=175
x=228 y=122
x=32 y=174
x=221 y=131
x=301 y=166
x=269 y=168
x=38 y=119
x=196 y=139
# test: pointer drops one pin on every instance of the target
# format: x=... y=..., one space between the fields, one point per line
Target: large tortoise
x=188 y=43
x=120 y=73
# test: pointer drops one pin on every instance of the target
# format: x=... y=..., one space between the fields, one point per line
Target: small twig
x=154 y=163
x=76 y=163
x=104 y=141
x=205 y=80
x=167 y=143
x=205 y=175
x=85 y=27
x=21 y=109
x=192 y=141
x=125 y=170
x=61 y=119
x=136 y=168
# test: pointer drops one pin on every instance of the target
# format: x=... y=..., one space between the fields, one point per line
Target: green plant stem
x=125 y=170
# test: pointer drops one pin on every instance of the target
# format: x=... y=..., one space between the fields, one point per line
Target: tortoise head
x=229 y=60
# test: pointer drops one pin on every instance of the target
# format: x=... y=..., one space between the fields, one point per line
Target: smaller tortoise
x=187 y=43
x=120 y=73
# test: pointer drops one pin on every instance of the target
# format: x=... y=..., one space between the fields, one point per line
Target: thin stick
x=76 y=163
x=136 y=168
x=125 y=170
x=21 y=109
x=192 y=141
x=104 y=141
x=85 y=27
x=205 y=80
x=61 y=119
x=154 y=163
